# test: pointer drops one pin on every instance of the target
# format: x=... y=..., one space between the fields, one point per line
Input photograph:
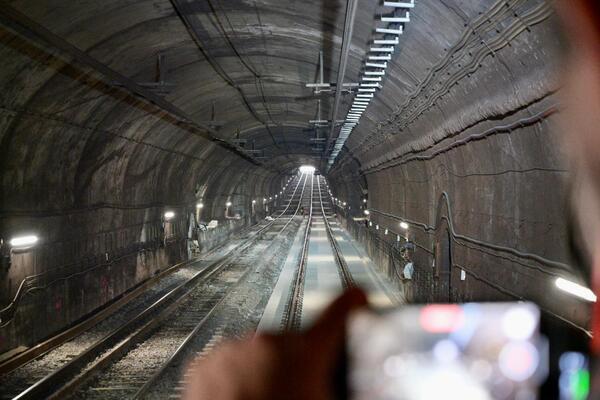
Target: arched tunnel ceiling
x=244 y=64
x=83 y=153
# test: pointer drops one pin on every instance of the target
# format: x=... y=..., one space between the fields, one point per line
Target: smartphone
x=475 y=351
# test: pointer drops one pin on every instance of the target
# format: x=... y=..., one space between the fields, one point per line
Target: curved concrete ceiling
x=466 y=110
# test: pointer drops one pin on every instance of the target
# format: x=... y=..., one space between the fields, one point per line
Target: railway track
x=292 y=316
x=154 y=383
x=180 y=311
x=345 y=275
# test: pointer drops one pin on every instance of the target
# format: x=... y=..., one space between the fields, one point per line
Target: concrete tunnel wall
x=468 y=107
x=474 y=117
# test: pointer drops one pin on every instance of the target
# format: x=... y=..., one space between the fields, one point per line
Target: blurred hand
x=287 y=366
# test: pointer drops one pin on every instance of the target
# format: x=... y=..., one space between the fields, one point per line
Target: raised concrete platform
x=322 y=282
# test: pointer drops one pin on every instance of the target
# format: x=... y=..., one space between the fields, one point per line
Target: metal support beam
x=30 y=29
x=346 y=40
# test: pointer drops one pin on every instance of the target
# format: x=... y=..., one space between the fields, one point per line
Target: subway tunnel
x=137 y=137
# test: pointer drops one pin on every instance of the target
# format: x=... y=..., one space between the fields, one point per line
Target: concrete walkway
x=322 y=281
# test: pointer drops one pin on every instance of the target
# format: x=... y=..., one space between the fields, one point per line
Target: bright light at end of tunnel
x=575 y=289
x=169 y=215
x=23 y=241
x=403 y=225
x=307 y=169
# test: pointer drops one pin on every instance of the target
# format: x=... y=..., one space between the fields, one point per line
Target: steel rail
x=51 y=343
x=292 y=317
x=297 y=207
x=345 y=275
x=291 y=198
x=183 y=346
x=122 y=339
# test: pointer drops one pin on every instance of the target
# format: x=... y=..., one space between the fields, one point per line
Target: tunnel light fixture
x=403 y=225
x=382 y=49
x=377 y=73
x=399 y=4
x=390 y=31
x=228 y=204
x=371 y=78
x=386 y=57
x=370 y=223
x=364 y=200
x=264 y=200
x=253 y=201
x=368 y=90
x=373 y=85
x=169 y=215
x=25 y=241
x=396 y=19
x=376 y=65
x=367 y=212
x=387 y=41
x=575 y=289
x=362 y=102
x=365 y=95
x=199 y=205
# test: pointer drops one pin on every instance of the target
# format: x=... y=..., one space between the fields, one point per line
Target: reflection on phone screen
x=447 y=351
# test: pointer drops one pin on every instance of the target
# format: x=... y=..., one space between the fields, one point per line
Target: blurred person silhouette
x=581 y=128
x=302 y=365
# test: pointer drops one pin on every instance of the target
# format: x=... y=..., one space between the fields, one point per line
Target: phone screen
x=470 y=351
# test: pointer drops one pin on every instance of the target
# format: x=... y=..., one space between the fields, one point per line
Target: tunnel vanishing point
x=138 y=136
